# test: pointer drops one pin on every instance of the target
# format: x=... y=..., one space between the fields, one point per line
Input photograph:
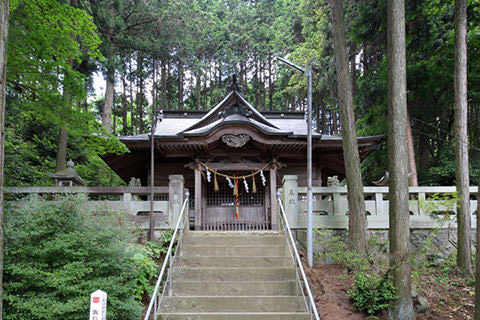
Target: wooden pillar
x=273 y=196
x=198 y=197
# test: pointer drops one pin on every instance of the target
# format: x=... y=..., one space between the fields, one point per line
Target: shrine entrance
x=235 y=196
x=248 y=211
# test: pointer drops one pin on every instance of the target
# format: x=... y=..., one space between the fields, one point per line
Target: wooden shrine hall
x=232 y=159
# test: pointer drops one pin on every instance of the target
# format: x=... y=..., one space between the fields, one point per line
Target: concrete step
x=234 y=288
x=227 y=261
x=236 y=238
x=236 y=316
x=233 y=251
x=233 y=274
x=192 y=304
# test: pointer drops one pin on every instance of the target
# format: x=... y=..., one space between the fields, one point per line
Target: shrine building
x=232 y=159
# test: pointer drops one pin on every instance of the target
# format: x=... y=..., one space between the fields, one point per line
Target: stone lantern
x=67 y=177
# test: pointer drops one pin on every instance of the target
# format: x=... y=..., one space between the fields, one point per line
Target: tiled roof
x=180 y=124
x=235 y=119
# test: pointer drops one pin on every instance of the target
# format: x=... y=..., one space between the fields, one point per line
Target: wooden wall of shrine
x=212 y=211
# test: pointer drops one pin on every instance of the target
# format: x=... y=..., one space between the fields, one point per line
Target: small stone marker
x=98 y=305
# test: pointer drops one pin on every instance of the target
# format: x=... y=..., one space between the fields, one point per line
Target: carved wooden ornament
x=235 y=141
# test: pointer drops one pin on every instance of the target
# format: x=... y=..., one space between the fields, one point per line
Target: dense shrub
x=146 y=258
x=57 y=253
x=372 y=293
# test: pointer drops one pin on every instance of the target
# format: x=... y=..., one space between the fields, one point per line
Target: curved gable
x=233 y=103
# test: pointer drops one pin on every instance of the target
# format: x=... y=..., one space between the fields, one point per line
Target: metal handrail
x=181 y=224
x=310 y=303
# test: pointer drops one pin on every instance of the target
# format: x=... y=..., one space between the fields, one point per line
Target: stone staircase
x=233 y=275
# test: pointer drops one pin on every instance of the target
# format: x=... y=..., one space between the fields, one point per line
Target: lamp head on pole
x=291 y=64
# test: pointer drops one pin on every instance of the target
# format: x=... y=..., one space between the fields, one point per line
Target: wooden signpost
x=98 y=305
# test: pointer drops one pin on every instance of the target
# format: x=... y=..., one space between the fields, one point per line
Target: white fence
x=430 y=207
x=134 y=201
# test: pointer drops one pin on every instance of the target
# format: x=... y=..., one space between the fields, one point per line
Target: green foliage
x=97 y=173
x=439 y=204
x=30 y=149
x=430 y=53
x=51 y=44
x=57 y=253
x=55 y=46
x=373 y=289
x=164 y=242
x=372 y=293
x=335 y=248
x=24 y=165
x=145 y=260
x=448 y=265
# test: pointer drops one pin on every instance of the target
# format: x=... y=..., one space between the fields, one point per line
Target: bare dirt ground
x=449 y=295
x=329 y=284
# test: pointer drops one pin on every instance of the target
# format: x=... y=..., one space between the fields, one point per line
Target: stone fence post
x=175 y=197
x=290 y=199
x=337 y=206
x=127 y=203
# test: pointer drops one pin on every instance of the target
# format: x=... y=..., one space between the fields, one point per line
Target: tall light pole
x=155 y=118
x=308 y=73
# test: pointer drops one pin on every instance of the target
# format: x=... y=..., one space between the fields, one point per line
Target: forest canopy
x=183 y=55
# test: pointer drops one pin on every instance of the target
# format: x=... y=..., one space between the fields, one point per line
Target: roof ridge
x=215 y=109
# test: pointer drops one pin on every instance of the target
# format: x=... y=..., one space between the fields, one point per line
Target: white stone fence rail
x=133 y=201
x=430 y=207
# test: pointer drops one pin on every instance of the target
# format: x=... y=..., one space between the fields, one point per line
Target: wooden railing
x=429 y=207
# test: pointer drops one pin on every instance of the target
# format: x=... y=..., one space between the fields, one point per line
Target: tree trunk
x=255 y=83
x=334 y=120
x=270 y=83
x=132 y=104
x=412 y=164
x=199 y=90
x=324 y=118
x=219 y=75
x=357 y=227
x=61 y=149
x=205 y=90
x=114 y=131
x=399 y=229
x=140 y=92
x=262 y=86
x=353 y=66
x=154 y=89
x=477 y=261
x=163 y=101
x=210 y=100
x=180 y=85
x=108 y=102
x=62 y=141
x=4 y=11
x=167 y=75
x=124 y=106
x=464 y=253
